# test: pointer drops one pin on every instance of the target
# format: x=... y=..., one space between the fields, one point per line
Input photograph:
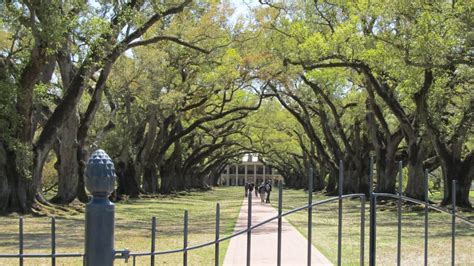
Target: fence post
x=153 y=240
x=310 y=214
x=280 y=210
x=21 y=243
x=453 y=223
x=372 y=240
x=339 y=217
x=100 y=212
x=399 y=213
x=53 y=241
x=185 y=240
x=426 y=218
x=218 y=224
x=249 y=232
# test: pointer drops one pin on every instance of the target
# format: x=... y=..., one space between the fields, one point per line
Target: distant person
x=268 y=189
x=251 y=186
x=261 y=191
x=247 y=188
x=256 y=190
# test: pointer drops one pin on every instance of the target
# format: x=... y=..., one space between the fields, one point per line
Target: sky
x=242 y=8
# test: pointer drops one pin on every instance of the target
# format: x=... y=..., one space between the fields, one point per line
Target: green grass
x=133 y=223
x=132 y=228
x=325 y=219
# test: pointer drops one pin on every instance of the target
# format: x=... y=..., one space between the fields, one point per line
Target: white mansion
x=251 y=170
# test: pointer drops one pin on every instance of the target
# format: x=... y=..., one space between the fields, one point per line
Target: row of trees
x=385 y=79
x=174 y=91
x=173 y=96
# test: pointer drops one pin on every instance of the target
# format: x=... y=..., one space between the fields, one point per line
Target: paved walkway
x=264 y=241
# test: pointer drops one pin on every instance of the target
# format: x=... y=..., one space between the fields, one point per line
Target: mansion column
x=227 y=171
x=255 y=174
x=236 y=175
x=246 y=174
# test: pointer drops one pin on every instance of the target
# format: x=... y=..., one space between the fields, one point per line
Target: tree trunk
x=385 y=146
x=448 y=154
x=416 y=183
x=21 y=185
x=463 y=173
x=167 y=182
x=386 y=172
x=322 y=173
x=18 y=191
x=179 y=179
x=68 y=178
x=126 y=179
x=386 y=164
x=82 y=156
x=356 y=170
x=172 y=178
x=131 y=183
x=351 y=178
x=4 y=181
x=332 y=181
x=319 y=180
x=195 y=180
x=150 y=178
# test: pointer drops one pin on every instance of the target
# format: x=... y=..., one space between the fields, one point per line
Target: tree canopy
x=176 y=90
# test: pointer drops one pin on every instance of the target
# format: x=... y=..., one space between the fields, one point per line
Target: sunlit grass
x=133 y=228
x=324 y=233
x=133 y=223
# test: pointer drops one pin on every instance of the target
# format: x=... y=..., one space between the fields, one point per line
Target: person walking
x=268 y=189
x=251 y=186
x=247 y=188
x=261 y=190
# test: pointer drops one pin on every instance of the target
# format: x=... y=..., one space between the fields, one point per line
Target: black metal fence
x=152 y=253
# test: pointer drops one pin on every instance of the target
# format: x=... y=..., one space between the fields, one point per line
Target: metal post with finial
x=100 y=212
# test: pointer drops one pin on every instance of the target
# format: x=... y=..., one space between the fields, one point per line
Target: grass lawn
x=133 y=223
x=325 y=232
x=132 y=228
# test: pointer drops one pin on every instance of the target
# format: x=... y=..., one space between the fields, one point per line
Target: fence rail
x=374 y=196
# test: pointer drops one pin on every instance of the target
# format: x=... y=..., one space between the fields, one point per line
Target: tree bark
x=18 y=189
x=131 y=184
x=416 y=180
x=463 y=173
x=167 y=183
x=150 y=178
x=385 y=146
x=68 y=169
x=415 y=150
x=4 y=181
x=450 y=156
x=22 y=187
